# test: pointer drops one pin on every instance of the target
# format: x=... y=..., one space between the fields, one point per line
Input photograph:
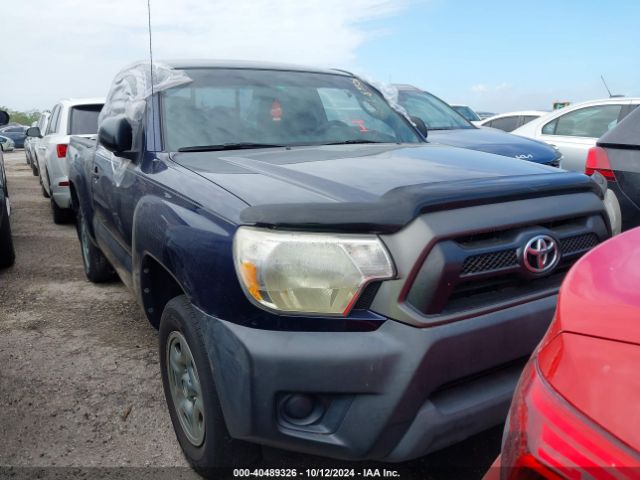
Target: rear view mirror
x=421 y=126
x=115 y=135
x=4 y=117
x=34 y=132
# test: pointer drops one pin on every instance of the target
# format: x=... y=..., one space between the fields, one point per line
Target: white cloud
x=74 y=47
x=481 y=88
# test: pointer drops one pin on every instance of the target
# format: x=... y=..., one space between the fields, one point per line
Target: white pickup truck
x=68 y=117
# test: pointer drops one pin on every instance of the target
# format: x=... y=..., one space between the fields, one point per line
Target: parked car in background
x=323 y=279
x=484 y=115
x=17 y=133
x=575 y=411
x=28 y=145
x=617 y=157
x=68 y=117
x=511 y=120
x=7 y=252
x=574 y=129
x=467 y=112
x=447 y=127
x=6 y=144
x=31 y=143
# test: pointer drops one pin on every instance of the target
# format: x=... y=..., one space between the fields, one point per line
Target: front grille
x=502 y=259
x=482 y=269
x=579 y=243
x=490 y=261
x=485 y=292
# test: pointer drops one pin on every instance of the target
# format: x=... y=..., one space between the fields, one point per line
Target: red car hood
x=600 y=296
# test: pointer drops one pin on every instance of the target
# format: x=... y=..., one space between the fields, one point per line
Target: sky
x=493 y=55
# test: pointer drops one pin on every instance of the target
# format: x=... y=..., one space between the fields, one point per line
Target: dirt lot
x=79 y=377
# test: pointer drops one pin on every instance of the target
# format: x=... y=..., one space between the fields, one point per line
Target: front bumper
x=392 y=394
x=629 y=211
x=614 y=210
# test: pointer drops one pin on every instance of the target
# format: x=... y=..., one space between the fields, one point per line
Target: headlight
x=308 y=272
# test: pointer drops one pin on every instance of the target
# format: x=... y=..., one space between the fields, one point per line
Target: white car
x=6 y=144
x=68 y=117
x=576 y=128
x=508 y=122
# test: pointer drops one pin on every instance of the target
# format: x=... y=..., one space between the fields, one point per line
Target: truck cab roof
x=246 y=64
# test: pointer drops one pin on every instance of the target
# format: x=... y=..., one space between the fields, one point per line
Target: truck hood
x=343 y=173
x=495 y=141
x=347 y=181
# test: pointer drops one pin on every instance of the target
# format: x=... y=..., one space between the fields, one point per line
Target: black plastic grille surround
x=482 y=269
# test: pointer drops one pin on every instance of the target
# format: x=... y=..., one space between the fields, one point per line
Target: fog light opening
x=301 y=409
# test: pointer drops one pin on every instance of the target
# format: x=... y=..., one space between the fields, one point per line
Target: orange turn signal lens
x=250 y=277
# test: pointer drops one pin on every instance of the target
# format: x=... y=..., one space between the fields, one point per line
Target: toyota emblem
x=541 y=254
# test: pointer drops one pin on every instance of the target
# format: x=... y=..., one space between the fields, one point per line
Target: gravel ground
x=80 y=388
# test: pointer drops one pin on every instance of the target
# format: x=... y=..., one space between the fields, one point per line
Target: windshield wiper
x=462 y=127
x=228 y=146
x=354 y=142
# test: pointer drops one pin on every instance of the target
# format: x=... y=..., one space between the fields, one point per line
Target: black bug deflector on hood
x=401 y=205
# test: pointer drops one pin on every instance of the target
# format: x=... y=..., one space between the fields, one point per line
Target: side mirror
x=4 y=117
x=34 y=132
x=115 y=135
x=421 y=126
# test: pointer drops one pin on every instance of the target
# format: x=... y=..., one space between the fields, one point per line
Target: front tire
x=7 y=252
x=192 y=396
x=96 y=266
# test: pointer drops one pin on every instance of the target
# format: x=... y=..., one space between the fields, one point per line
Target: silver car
x=31 y=143
x=576 y=128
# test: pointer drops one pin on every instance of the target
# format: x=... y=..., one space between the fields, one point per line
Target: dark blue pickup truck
x=323 y=279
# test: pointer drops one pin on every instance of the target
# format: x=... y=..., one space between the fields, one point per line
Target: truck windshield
x=245 y=108
x=436 y=114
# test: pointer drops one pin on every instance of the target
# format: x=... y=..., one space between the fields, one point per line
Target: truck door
x=112 y=178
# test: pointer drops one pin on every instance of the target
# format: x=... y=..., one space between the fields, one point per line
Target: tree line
x=23 y=118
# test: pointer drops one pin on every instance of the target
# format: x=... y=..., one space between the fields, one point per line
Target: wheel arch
x=75 y=201
x=157 y=287
x=188 y=249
